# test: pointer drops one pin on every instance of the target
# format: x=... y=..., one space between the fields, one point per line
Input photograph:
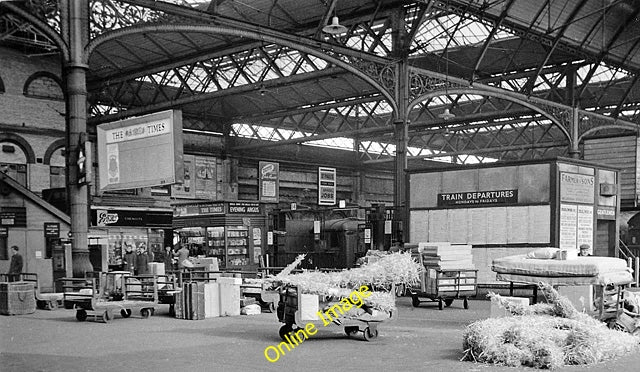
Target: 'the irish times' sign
x=476 y=198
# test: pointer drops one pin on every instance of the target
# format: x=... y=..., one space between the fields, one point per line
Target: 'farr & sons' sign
x=485 y=198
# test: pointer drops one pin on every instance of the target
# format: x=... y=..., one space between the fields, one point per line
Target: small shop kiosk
x=231 y=231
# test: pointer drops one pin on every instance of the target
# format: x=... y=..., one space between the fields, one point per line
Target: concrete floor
x=421 y=339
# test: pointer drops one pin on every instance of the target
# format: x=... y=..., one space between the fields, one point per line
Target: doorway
x=605 y=239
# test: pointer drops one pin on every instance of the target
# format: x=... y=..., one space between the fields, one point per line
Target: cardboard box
x=309 y=304
x=229 y=296
x=211 y=300
x=156 y=268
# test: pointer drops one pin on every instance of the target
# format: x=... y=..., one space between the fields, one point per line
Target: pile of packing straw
x=393 y=268
x=546 y=335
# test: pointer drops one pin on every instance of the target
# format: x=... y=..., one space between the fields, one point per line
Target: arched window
x=54 y=157
x=13 y=161
x=45 y=85
x=57 y=168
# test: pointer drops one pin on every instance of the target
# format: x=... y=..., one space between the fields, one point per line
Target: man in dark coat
x=142 y=261
x=15 y=267
x=130 y=260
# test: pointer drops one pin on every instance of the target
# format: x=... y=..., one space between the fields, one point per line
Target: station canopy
x=513 y=74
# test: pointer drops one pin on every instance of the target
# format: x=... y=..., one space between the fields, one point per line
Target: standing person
x=130 y=259
x=182 y=255
x=142 y=261
x=15 y=267
x=150 y=255
x=168 y=259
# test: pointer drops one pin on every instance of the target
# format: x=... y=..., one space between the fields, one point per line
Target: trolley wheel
x=107 y=316
x=351 y=330
x=440 y=304
x=415 y=301
x=285 y=330
x=125 y=313
x=466 y=303
x=51 y=305
x=448 y=302
x=615 y=325
x=370 y=334
x=81 y=315
x=272 y=307
x=400 y=290
x=145 y=313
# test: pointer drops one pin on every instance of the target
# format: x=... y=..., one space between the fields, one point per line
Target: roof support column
x=574 y=150
x=74 y=22
x=401 y=42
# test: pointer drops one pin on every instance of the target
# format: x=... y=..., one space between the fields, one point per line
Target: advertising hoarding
x=141 y=151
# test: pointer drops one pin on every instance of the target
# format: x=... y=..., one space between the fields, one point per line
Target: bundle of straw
x=544 y=336
x=394 y=268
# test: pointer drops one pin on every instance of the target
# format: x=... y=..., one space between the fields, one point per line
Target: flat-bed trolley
x=88 y=299
x=444 y=286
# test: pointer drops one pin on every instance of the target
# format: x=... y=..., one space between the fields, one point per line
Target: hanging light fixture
x=446 y=115
x=334 y=28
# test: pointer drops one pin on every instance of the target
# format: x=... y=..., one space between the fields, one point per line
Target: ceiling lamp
x=446 y=115
x=335 y=27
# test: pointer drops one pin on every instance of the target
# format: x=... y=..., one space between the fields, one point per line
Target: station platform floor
x=420 y=339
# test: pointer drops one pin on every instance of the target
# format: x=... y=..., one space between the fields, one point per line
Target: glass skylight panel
x=434 y=34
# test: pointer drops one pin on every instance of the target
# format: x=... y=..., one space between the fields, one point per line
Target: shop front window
x=124 y=239
x=194 y=239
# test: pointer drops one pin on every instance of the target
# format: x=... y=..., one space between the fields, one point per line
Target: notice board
x=141 y=151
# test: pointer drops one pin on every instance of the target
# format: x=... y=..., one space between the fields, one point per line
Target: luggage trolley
x=85 y=296
x=444 y=286
x=296 y=309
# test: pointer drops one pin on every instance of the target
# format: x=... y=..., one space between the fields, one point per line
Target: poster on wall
x=140 y=151
x=576 y=188
x=326 y=186
x=205 y=177
x=186 y=189
x=269 y=181
x=568 y=226
x=585 y=225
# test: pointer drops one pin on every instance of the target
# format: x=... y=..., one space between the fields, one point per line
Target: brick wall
x=37 y=121
x=15 y=70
